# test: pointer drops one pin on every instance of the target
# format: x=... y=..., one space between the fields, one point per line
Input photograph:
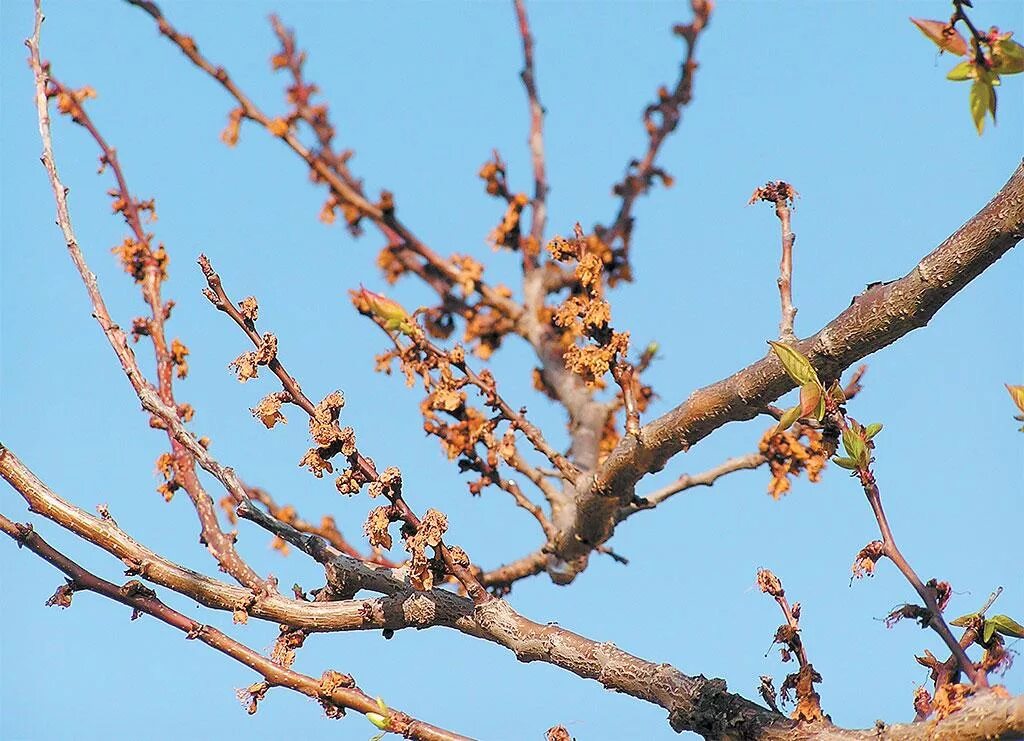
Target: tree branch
x=875 y=319
x=334 y=690
x=219 y=544
x=688 y=481
x=540 y=182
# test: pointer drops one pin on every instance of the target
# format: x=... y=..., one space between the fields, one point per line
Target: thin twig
x=866 y=476
x=218 y=543
x=540 y=184
x=641 y=173
x=327 y=529
x=347 y=190
x=783 y=194
x=688 y=481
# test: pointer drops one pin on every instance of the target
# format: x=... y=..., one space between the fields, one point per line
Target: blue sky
x=846 y=101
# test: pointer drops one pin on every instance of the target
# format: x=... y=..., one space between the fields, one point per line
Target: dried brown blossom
x=392 y=267
x=376 y=527
x=429 y=533
x=787 y=456
x=949 y=698
x=768 y=583
x=559 y=733
x=245 y=366
x=867 y=558
x=62 y=597
x=808 y=706
x=316 y=463
x=249 y=308
x=506 y=234
x=922 y=703
x=230 y=133
x=178 y=354
x=268 y=411
x=585 y=316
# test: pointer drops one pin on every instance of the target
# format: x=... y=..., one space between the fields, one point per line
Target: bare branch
x=688 y=481
x=540 y=183
x=782 y=195
x=660 y=119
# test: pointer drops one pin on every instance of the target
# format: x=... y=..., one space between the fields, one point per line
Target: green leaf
x=1017 y=394
x=812 y=400
x=964 y=621
x=1008 y=57
x=382 y=706
x=942 y=35
x=987 y=631
x=1007 y=626
x=872 y=429
x=836 y=393
x=982 y=100
x=797 y=366
x=961 y=72
x=847 y=463
x=792 y=415
x=378 y=720
x=853 y=444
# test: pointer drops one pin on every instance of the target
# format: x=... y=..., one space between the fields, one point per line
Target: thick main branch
x=875 y=319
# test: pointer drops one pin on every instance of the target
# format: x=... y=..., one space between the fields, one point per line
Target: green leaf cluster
x=812 y=393
x=1004 y=625
x=856 y=443
x=1005 y=57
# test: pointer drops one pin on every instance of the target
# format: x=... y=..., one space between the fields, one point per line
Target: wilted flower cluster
x=591 y=346
x=787 y=456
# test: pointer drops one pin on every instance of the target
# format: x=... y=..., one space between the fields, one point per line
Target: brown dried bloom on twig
x=787 y=456
x=429 y=533
x=867 y=558
x=586 y=315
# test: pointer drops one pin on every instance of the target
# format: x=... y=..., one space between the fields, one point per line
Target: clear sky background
x=845 y=100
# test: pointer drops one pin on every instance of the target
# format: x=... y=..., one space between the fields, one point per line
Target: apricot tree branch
x=219 y=298
x=695 y=703
x=347 y=190
x=660 y=120
x=540 y=183
x=782 y=195
x=219 y=544
x=337 y=692
x=875 y=319
x=688 y=481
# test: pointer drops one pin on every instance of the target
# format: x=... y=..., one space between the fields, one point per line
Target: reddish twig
x=152 y=276
x=346 y=189
x=536 y=140
x=927 y=592
x=641 y=173
x=219 y=544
